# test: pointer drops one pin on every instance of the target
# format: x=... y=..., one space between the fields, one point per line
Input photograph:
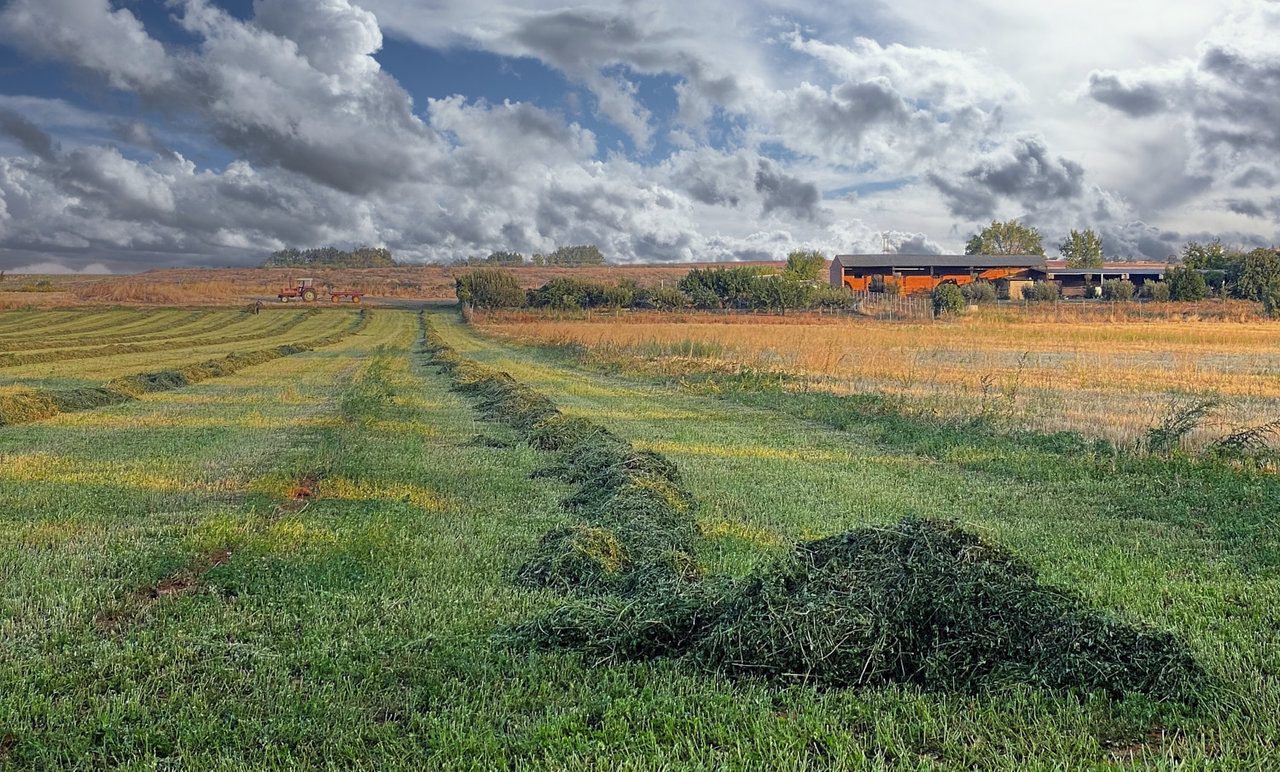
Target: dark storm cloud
x=30 y=136
x=1254 y=176
x=1024 y=173
x=1270 y=208
x=1136 y=101
x=787 y=194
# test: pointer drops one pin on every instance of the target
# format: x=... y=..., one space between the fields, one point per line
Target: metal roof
x=940 y=261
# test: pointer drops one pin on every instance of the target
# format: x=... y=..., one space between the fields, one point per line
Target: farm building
x=921 y=273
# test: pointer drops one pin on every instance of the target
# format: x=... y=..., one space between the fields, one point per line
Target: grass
x=305 y=566
x=1099 y=377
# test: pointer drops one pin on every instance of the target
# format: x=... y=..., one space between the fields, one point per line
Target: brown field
x=222 y=286
x=1110 y=374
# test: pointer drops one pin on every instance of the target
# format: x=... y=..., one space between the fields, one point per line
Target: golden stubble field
x=1103 y=377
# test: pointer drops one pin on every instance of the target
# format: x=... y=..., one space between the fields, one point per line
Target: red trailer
x=304 y=289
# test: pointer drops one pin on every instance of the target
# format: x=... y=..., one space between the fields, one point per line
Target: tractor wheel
x=309 y=296
x=355 y=298
x=284 y=298
x=334 y=298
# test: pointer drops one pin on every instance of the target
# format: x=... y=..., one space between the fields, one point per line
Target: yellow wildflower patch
x=48 y=468
x=761 y=537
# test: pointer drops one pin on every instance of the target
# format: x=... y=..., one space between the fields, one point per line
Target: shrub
x=979 y=292
x=1118 y=290
x=1092 y=292
x=490 y=288
x=1155 y=290
x=947 y=299
x=1042 y=291
x=661 y=298
x=834 y=298
x=620 y=295
x=569 y=294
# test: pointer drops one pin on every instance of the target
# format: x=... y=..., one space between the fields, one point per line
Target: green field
x=308 y=564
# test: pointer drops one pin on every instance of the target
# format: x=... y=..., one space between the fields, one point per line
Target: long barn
x=921 y=273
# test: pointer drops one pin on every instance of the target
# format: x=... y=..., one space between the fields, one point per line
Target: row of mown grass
x=273 y=326
x=38 y=404
x=98 y=370
x=766 y=477
x=165 y=326
x=922 y=602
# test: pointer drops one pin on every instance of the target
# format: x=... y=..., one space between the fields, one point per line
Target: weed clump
x=922 y=602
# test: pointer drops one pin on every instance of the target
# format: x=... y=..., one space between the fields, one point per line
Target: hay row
x=39 y=404
x=199 y=322
x=636 y=526
x=921 y=602
x=114 y=349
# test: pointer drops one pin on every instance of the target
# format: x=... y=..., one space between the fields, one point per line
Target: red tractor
x=305 y=290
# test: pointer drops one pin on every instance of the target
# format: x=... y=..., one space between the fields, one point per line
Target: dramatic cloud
x=659 y=131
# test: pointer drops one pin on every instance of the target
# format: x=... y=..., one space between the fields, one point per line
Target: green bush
x=947 y=299
x=1042 y=292
x=979 y=292
x=833 y=298
x=1155 y=290
x=661 y=298
x=1118 y=290
x=489 y=288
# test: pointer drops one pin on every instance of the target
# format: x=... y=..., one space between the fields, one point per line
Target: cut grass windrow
x=196 y=323
x=38 y=404
x=116 y=349
x=922 y=602
x=637 y=526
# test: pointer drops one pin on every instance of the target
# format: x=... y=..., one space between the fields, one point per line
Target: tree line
x=331 y=257
x=564 y=257
x=798 y=286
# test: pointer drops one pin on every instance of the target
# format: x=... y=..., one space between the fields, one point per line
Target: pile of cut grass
x=922 y=602
x=38 y=404
x=637 y=527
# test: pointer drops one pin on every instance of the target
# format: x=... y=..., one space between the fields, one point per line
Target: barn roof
x=940 y=261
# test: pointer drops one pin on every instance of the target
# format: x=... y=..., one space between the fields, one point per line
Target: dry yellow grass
x=1111 y=378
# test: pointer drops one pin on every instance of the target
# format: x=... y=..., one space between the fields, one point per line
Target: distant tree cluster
x=563 y=257
x=745 y=287
x=331 y=257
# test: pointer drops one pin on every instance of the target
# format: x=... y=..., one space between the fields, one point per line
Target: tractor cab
x=300 y=289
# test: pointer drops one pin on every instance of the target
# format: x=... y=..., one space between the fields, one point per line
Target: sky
x=139 y=134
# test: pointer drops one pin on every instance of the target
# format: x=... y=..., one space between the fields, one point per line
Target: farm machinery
x=305 y=290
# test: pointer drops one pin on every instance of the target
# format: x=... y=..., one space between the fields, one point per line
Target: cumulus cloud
x=773 y=121
x=1024 y=172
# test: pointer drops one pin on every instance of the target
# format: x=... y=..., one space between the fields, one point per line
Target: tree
x=1083 y=249
x=1271 y=298
x=574 y=257
x=1185 y=284
x=1212 y=255
x=947 y=299
x=510 y=259
x=1257 y=269
x=1005 y=238
x=805 y=265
